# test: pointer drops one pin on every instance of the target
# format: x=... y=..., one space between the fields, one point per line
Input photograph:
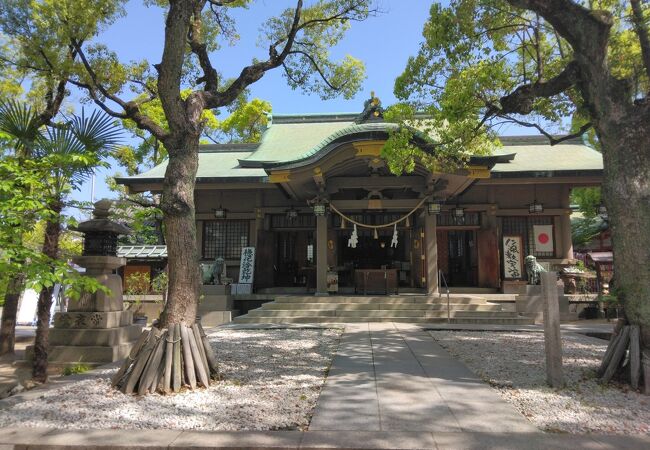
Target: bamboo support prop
x=165 y=360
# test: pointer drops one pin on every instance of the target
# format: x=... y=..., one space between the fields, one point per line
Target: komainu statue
x=211 y=273
x=533 y=269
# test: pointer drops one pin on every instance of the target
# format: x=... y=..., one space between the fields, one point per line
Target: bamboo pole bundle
x=163 y=360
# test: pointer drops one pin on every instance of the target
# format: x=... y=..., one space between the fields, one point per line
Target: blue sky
x=383 y=42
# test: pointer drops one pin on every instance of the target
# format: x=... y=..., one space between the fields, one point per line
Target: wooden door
x=264 y=259
x=488 y=257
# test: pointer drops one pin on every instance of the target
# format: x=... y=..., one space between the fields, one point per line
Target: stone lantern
x=96 y=329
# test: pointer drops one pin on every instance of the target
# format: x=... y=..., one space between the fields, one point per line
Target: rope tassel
x=376 y=235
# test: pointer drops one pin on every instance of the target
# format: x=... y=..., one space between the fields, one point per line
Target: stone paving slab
x=197 y=440
x=348 y=401
x=36 y=438
x=395 y=377
x=469 y=398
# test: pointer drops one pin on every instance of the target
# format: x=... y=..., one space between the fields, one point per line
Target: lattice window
x=224 y=238
x=523 y=226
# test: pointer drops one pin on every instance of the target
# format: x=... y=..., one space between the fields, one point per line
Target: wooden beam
x=335 y=184
x=280 y=176
x=368 y=148
x=405 y=204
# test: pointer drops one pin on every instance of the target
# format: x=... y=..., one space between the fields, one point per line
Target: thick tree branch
x=200 y=49
x=317 y=68
x=521 y=100
x=642 y=32
x=552 y=139
x=586 y=30
x=254 y=72
x=131 y=108
x=53 y=100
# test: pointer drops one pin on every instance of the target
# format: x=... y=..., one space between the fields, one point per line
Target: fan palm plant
x=67 y=154
x=19 y=130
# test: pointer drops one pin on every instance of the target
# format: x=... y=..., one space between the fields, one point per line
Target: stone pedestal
x=216 y=305
x=95 y=330
x=530 y=303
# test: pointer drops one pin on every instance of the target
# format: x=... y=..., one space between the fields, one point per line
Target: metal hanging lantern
x=319 y=209
x=220 y=213
x=434 y=208
x=602 y=210
x=292 y=214
x=535 y=207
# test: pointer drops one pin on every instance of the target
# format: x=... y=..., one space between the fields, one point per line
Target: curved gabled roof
x=308 y=152
x=298 y=140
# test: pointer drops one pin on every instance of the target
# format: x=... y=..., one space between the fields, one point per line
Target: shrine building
x=324 y=214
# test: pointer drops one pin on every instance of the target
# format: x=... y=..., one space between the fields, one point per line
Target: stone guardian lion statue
x=533 y=269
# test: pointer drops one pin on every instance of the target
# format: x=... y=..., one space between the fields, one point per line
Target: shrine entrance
x=458 y=257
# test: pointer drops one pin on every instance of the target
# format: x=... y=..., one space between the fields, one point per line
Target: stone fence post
x=552 y=335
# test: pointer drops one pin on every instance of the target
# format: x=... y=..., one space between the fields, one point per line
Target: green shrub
x=76 y=368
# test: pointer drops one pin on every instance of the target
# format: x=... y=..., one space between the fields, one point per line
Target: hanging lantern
x=602 y=210
x=220 y=213
x=458 y=215
x=319 y=209
x=292 y=214
x=535 y=207
x=434 y=208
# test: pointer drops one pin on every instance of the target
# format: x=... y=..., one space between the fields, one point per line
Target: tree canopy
x=486 y=64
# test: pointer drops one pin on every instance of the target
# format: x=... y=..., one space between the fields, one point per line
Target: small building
x=297 y=195
x=148 y=260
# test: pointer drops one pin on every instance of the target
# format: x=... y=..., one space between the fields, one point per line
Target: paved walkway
x=395 y=377
x=391 y=386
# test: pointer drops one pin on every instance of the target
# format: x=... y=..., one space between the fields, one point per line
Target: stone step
x=377 y=313
x=380 y=306
x=471 y=290
x=381 y=299
x=335 y=320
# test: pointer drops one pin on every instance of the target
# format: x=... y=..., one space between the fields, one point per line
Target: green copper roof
x=534 y=154
x=290 y=138
x=212 y=166
x=298 y=139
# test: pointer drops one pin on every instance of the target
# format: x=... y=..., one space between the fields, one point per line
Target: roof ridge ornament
x=372 y=110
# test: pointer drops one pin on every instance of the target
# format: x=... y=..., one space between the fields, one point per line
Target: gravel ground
x=272 y=381
x=514 y=364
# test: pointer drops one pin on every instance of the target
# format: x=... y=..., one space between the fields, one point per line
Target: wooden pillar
x=564 y=232
x=431 y=253
x=321 y=255
x=488 y=250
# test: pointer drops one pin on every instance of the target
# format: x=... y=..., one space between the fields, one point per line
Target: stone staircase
x=463 y=308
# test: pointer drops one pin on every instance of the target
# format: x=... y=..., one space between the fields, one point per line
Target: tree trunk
x=51 y=250
x=626 y=189
x=9 y=312
x=180 y=233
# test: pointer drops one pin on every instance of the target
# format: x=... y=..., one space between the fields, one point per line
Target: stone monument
x=96 y=330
